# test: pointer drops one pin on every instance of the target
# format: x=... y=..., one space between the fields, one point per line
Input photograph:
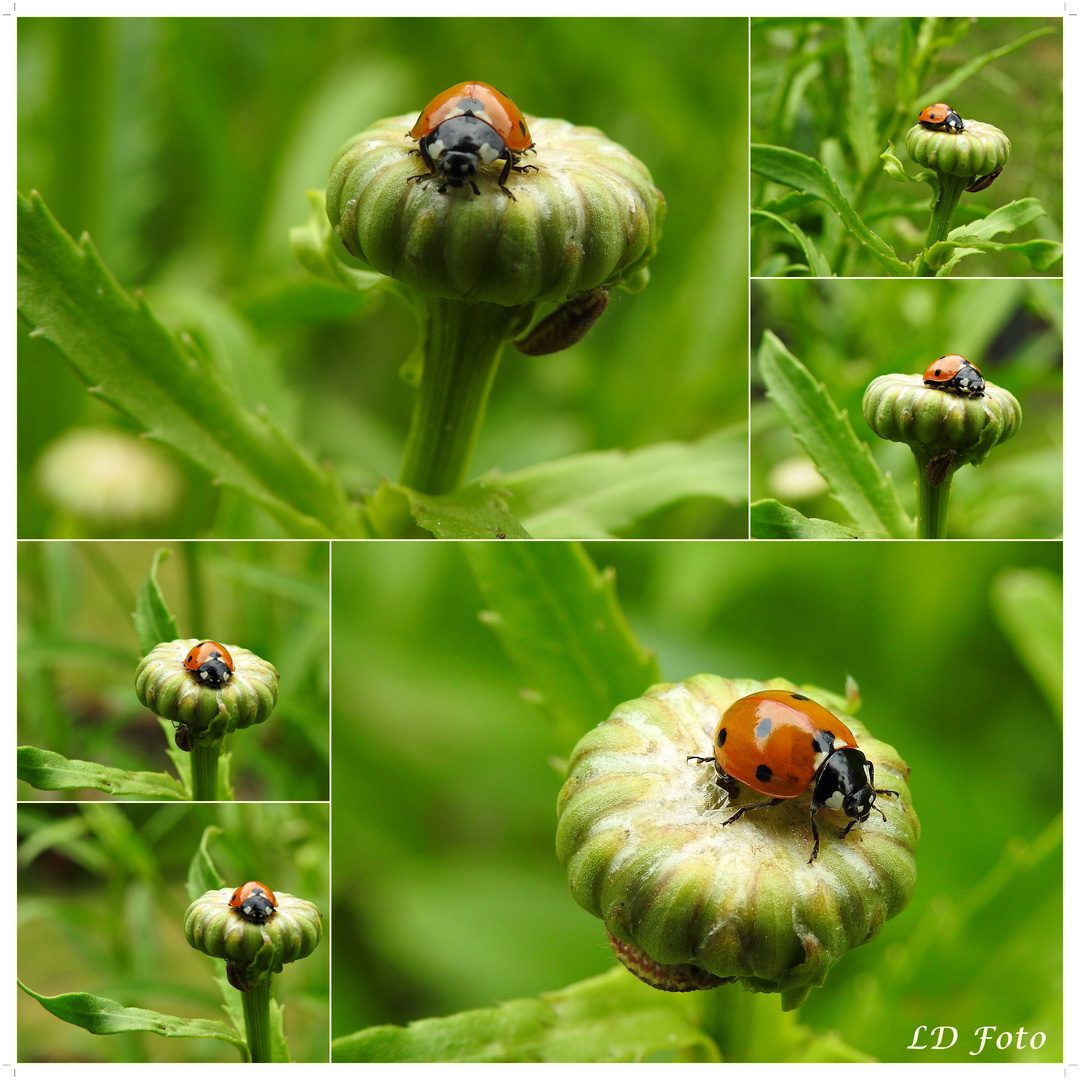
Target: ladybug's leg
x=753 y=806
x=422 y=151
x=505 y=173
x=694 y=757
x=817 y=837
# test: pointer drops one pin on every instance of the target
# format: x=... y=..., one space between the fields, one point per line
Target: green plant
x=825 y=347
x=101 y=904
x=832 y=96
x=255 y=375
x=79 y=716
x=464 y=749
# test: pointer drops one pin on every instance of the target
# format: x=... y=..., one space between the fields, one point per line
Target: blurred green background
x=78 y=651
x=848 y=333
x=101 y=902
x=804 y=92
x=185 y=147
x=448 y=894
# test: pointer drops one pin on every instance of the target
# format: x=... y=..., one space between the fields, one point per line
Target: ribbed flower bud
x=172 y=691
x=936 y=422
x=979 y=150
x=693 y=902
x=589 y=217
x=254 y=950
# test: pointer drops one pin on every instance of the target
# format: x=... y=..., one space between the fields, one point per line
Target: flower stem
x=933 y=506
x=951 y=188
x=257 y=1021
x=461 y=354
x=204 y=771
x=746 y=1027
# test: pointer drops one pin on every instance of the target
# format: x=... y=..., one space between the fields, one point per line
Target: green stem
x=461 y=354
x=204 y=770
x=932 y=499
x=950 y=190
x=257 y=1021
x=746 y=1027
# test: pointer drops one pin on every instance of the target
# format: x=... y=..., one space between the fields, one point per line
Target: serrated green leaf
x=202 y=873
x=100 y=1016
x=128 y=359
x=827 y=436
x=154 y=622
x=784 y=166
x=772 y=520
x=560 y=622
x=592 y=496
x=477 y=511
x=1029 y=605
x=48 y=771
x=1006 y=218
x=818 y=264
x=613 y=1017
x=976 y=236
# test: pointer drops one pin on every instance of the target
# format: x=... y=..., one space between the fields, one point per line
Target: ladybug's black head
x=846 y=782
x=460 y=145
x=214 y=673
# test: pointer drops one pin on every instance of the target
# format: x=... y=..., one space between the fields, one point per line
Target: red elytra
x=208 y=650
x=768 y=741
x=250 y=889
x=935 y=114
x=947 y=368
x=485 y=103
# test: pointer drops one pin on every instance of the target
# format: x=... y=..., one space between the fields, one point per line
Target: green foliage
x=560 y=622
x=100 y=1016
x=47 y=771
x=819 y=339
x=101 y=904
x=80 y=643
x=154 y=622
x=830 y=95
x=560 y=1026
x=826 y=435
x=254 y=369
x=449 y=899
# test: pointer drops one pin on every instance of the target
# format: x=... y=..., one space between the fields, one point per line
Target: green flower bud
x=979 y=150
x=208 y=714
x=642 y=836
x=254 y=950
x=939 y=423
x=589 y=217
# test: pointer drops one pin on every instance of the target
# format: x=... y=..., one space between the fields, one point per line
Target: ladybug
x=779 y=743
x=954 y=373
x=940 y=117
x=211 y=662
x=470 y=125
x=254 y=902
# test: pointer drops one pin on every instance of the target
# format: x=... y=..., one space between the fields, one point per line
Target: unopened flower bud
x=588 y=216
x=979 y=150
x=254 y=949
x=696 y=895
x=937 y=423
x=206 y=712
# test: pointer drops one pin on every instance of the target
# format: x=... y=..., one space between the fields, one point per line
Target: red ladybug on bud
x=779 y=743
x=469 y=126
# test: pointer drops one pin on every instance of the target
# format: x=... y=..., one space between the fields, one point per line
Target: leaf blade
x=559 y=620
x=127 y=358
x=827 y=436
x=49 y=771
